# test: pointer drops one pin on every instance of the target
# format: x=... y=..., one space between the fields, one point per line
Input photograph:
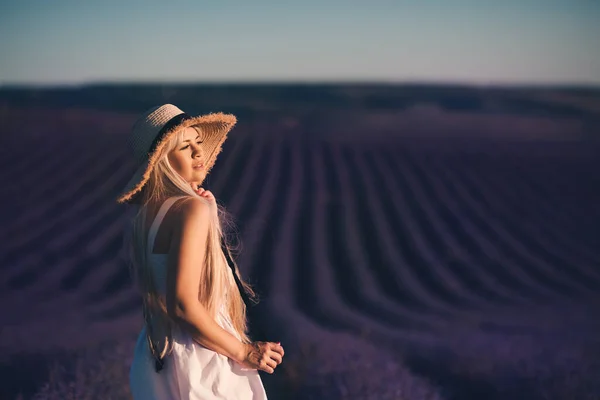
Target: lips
x=197 y=166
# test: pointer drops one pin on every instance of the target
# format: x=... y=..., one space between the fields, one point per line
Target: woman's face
x=187 y=158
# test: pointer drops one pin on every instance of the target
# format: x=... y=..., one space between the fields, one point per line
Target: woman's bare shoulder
x=189 y=210
x=186 y=215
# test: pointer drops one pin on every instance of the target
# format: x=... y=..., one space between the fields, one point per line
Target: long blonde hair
x=215 y=278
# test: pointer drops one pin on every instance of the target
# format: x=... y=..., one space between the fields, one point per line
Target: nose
x=197 y=151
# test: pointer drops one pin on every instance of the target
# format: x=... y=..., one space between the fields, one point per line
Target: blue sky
x=464 y=41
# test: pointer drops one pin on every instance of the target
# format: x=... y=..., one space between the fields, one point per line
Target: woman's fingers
x=207 y=194
x=275 y=352
x=271 y=363
x=276 y=356
x=268 y=369
x=265 y=356
x=276 y=347
x=204 y=192
x=266 y=364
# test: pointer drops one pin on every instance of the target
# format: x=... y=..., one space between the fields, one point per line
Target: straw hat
x=152 y=131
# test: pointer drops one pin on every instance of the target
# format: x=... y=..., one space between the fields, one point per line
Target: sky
x=425 y=41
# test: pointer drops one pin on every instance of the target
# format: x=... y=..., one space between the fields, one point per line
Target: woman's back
x=161 y=224
x=159 y=235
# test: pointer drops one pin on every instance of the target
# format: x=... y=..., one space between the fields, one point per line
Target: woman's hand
x=265 y=356
x=207 y=194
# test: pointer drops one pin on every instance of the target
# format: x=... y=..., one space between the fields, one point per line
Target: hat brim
x=215 y=127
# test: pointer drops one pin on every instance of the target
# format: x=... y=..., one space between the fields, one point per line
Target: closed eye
x=187 y=145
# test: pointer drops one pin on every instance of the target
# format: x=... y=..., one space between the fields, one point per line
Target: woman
x=194 y=343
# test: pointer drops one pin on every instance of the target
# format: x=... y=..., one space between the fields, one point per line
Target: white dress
x=191 y=371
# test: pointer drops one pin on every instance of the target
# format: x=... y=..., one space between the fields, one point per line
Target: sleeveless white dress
x=191 y=371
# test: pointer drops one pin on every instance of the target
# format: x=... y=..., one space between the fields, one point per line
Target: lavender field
x=406 y=243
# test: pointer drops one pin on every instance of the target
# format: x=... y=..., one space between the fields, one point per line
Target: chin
x=198 y=176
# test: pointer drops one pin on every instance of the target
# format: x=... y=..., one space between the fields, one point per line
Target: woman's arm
x=186 y=257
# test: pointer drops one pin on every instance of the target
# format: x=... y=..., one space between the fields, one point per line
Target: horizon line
x=300 y=82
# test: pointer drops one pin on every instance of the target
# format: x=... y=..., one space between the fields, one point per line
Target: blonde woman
x=194 y=343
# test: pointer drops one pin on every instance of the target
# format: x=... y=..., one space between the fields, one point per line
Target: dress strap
x=160 y=215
